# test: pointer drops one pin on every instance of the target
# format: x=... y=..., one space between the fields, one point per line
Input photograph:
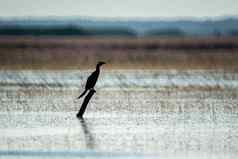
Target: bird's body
x=92 y=79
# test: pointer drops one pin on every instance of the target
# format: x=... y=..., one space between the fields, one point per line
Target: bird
x=92 y=79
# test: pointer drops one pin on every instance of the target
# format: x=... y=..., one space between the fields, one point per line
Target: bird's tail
x=85 y=91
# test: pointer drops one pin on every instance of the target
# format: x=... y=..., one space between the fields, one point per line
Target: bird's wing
x=91 y=79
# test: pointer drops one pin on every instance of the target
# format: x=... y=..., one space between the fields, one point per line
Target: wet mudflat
x=186 y=119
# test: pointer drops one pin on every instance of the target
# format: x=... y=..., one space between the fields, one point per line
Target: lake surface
x=134 y=114
x=121 y=79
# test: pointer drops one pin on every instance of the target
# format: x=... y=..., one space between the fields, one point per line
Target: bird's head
x=100 y=63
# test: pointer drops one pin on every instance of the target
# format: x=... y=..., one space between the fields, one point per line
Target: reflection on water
x=88 y=136
x=164 y=134
x=192 y=123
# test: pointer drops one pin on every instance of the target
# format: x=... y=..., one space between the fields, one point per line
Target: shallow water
x=39 y=120
x=120 y=79
x=162 y=134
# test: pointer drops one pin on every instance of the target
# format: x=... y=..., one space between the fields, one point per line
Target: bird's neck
x=98 y=68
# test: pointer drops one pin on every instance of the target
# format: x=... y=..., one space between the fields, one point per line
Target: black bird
x=92 y=79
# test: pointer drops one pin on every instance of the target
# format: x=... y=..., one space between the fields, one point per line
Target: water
x=121 y=79
x=169 y=134
x=145 y=120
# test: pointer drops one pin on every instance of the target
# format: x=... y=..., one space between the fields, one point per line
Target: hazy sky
x=119 y=8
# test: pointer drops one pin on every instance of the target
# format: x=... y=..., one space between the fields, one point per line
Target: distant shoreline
x=137 y=27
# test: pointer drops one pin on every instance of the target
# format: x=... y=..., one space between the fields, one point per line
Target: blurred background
x=78 y=43
x=169 y=88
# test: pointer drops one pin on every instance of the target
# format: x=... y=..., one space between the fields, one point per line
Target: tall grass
x=119 y=53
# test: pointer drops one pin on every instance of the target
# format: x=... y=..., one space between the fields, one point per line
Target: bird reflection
x=89 y=140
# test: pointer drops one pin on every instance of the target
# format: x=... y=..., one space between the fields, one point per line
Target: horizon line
x=139 y=18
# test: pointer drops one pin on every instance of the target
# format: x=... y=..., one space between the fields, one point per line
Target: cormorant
x=92 y=79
